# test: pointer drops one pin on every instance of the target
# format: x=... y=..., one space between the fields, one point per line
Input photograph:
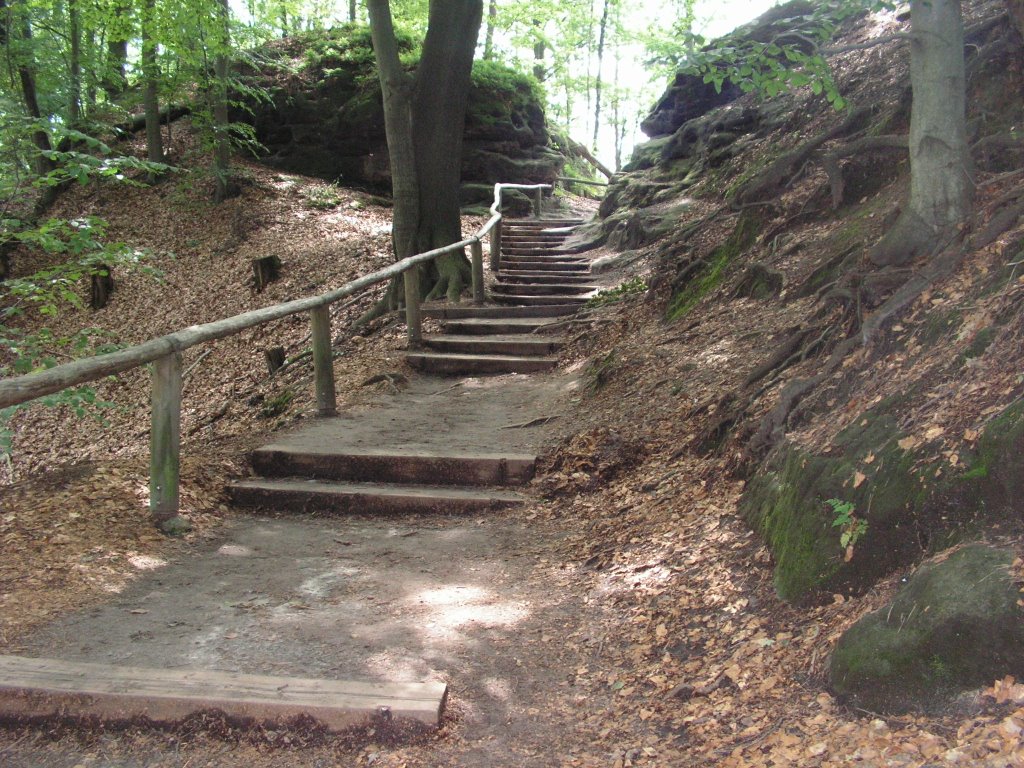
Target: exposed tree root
x=769 y=181
x=448 y=276
x=830 y=160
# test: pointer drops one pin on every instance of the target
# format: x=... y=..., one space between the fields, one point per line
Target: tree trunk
x=151 y=78
x=352 y=11
x=539 y=70
x=492 y=19
x=941 y=189
x=12 y=28
x=597 y=82
x=114 y=79
x=424 y=119
x=74 y=64
x=222 y=143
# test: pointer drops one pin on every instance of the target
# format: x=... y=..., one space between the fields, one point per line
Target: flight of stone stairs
x=330 y=466
x=538 y=283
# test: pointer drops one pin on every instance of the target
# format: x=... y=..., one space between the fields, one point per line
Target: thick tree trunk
x=423 y=121
x=941 y=189
x=151 y=78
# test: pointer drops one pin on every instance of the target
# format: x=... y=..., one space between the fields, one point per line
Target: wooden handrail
x=166 y=351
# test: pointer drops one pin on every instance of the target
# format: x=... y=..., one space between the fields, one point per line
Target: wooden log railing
x=165 y=352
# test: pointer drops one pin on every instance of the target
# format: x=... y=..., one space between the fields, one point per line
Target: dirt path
x=483 y=603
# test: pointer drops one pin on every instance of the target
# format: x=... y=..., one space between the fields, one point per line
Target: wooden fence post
x=477 y=250
x=538 y=202
x=413 y=319
x=323 y=361
x=165 y=445
x=496 y=246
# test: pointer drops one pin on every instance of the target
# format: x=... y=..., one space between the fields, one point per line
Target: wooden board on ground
x=45 y=687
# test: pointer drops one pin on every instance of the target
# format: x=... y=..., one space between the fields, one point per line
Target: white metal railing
x=165 y=352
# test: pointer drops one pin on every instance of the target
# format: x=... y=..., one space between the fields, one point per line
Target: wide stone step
x=518 y=344
x=294 y=495
x=526 y=299
x=531 y=264
x=478 y=326
x=458 y=312
x=540 y=276
x=446 y=363
x=543 y=289
x=392 y=465
x=541 y=241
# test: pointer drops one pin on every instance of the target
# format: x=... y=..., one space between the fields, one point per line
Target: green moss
x=743 y=236
x=981 y=342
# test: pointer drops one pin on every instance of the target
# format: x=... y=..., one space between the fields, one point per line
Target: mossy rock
x=911 y=508
x=955 y=626
x=646 y=155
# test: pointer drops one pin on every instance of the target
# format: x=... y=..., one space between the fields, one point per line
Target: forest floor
x=625 y=617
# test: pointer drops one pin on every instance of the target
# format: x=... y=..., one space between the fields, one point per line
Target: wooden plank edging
x=31 y=687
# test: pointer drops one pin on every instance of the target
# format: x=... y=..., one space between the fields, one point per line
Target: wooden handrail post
x=165 y=445
x=413 y=317
x=538 y=201
x=323 y=361
x=496 y=246
x=477 y=250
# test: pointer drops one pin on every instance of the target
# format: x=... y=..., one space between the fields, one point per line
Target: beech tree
x=424 y=115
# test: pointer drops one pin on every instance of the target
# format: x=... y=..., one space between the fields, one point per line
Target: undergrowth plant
x=632 y=287
x=851 y=528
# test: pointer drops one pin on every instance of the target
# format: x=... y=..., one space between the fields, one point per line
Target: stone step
x=539 y=240
x=518 y=344
x=458 y=311
x=519 y=298
x=479 y=326
x=542 y=289
x=531 y=264
x=450 y=363
x=540 y=223
x=536 y=252
x=392 y=465
x=295 y=495
x=551 y=276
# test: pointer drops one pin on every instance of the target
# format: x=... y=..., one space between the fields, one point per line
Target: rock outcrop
x=323 y=115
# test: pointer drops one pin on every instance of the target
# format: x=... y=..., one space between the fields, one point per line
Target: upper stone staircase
x=537 y=284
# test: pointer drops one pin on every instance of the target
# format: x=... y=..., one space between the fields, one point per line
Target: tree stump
x=265 y=270
x=102 y=287
x=275 y=358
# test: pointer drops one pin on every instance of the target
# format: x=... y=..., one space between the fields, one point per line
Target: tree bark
x=941 y=188
x=74 y=63
x=600 y=60
x=114 y=78
x=222 y=143
x=492 y=19
x=151 y=78
x=424 y=117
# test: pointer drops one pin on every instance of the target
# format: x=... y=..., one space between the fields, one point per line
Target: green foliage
x=851 y=528
x=632 y=287
x=323 y=197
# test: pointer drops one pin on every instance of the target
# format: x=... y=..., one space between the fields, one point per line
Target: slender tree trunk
x=75 y=63
x=13 y=28
x=597 y=82
x=92 y=76
x=492 y=20
x=150 y=85
x=941 y=188
x=539 y=70
x=222 y=143
x=352 y=11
